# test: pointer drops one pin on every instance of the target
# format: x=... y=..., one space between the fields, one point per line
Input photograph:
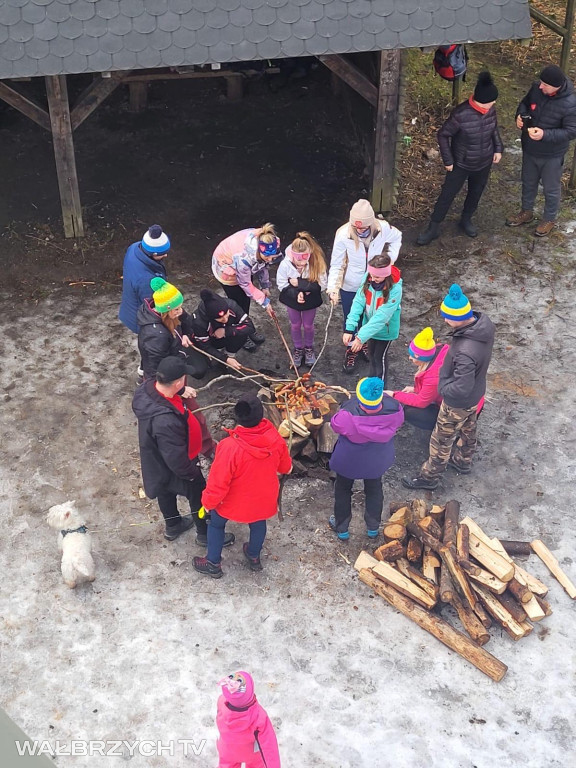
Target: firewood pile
x=301 y=411
x=432 y=557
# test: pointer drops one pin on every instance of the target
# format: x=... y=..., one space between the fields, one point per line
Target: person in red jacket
x=247 y=736
x=243 y=484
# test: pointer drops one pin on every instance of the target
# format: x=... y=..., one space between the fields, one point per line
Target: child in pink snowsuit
x=246 y=734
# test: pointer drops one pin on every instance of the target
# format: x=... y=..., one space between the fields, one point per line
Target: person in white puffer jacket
x=356 y=242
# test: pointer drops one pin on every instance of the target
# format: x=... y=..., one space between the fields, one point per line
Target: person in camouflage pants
x=462 y=384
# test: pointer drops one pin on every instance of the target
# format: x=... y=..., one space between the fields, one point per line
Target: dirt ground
x=347 y=681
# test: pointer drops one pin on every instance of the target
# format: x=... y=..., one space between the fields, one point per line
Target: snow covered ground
x=347 y=681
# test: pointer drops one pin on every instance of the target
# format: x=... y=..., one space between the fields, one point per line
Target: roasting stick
x=277 y=324
x=325 y=337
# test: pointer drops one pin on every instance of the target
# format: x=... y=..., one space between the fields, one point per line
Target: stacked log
x=433 y=558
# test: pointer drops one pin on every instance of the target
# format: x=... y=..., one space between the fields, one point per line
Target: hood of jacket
x=241 y=720
x=361 y=427
x=148 y=402
x=482 y=330
x=257 y=441
x=147 y=315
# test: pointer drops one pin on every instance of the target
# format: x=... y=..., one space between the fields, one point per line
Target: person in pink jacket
x=422 y=401
x=247 y=736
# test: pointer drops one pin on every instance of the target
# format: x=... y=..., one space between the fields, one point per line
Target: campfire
x=301 y=412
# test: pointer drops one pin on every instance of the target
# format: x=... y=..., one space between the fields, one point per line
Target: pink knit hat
x=238 y=689
x=362 y=214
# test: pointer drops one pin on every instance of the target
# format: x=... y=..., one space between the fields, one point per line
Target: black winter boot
x=467 y=227
x=429 y=234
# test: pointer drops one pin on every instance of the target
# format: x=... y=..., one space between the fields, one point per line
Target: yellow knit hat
x=423 y=345
x=166 y=296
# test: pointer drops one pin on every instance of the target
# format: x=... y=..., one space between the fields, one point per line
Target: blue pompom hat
x=155 y=240
x=456 y=305
x=370 y=392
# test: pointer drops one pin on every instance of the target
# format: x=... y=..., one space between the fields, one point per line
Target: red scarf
x=194 y=430
x=477 y=107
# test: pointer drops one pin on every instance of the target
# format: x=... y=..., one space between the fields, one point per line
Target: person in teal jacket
x=376 y=311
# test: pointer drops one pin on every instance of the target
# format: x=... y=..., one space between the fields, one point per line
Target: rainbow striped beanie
x=423 y=346
x=456 y=305
x=369 y=392
x=166 y=296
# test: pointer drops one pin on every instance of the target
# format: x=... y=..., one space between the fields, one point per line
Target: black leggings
x=423 y=418
x=373 y=499
x=378 y=352
x=236 y=293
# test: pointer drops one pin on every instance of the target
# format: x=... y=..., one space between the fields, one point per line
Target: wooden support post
x=59 y=109
x=567 y=38
x=234 y=87
x=385 y=132
x=456 y=91
x=138 y=96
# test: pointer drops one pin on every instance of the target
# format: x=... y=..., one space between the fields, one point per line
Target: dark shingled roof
x=51 y=37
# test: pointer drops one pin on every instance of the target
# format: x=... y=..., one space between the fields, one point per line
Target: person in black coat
x=170 y=439
x=547 y=118
x=470 y=144
x=165 y=328
x=220 y=327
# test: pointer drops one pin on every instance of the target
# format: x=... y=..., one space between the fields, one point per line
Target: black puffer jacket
x=556 y=115
x=470 y=139
x=462 y=380
x=238 y=324
x=155 y=341
x=163 y=439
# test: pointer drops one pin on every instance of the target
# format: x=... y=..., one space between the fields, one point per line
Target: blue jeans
x=346 y=297
x=217 y=529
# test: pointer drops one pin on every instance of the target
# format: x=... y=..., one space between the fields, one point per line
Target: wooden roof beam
x=352 y=76
x=92 y=96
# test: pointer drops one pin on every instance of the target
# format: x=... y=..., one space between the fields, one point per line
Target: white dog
x=74 y=541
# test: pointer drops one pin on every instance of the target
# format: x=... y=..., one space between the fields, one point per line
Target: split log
x=463 y=542
x=519 y=590
x=365 y=560
x=474 y=528
x=513 y=607
x=326 y=439
x=544 y=604
x=485 y=620
x=458 y=642
x=451 y=515
x=418 y=507
x=527 y=627
x=437 y=513
x=312 y=423
x=430 y=564
x=487 y=580
x=533 y=609
x=391 y=576
x=414 y=550
x=515 y=548
x=396 y=505
x=402 y=516
x=498 y=612
x=469 y=567
x=534 y=585
x=490 y=559
x=414 y=575
x=459 y=578
x=429 y=525
x=390 y=552
x=394 y=532
x=470 y=621
x=553 y=566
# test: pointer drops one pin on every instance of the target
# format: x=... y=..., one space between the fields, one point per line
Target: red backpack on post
x=451 y=62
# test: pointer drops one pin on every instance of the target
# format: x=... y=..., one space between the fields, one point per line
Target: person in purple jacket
x=364 y=451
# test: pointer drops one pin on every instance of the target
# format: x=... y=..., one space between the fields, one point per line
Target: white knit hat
x=155 y=240
x=362 y=214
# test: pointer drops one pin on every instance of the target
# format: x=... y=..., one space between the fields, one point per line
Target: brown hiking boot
x=524 y=217
x=544 y=228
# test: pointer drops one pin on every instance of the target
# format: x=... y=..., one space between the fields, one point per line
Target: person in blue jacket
x=375 y=312
x=142 y=262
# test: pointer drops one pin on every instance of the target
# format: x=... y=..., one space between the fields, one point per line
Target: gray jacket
x=462 y=381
